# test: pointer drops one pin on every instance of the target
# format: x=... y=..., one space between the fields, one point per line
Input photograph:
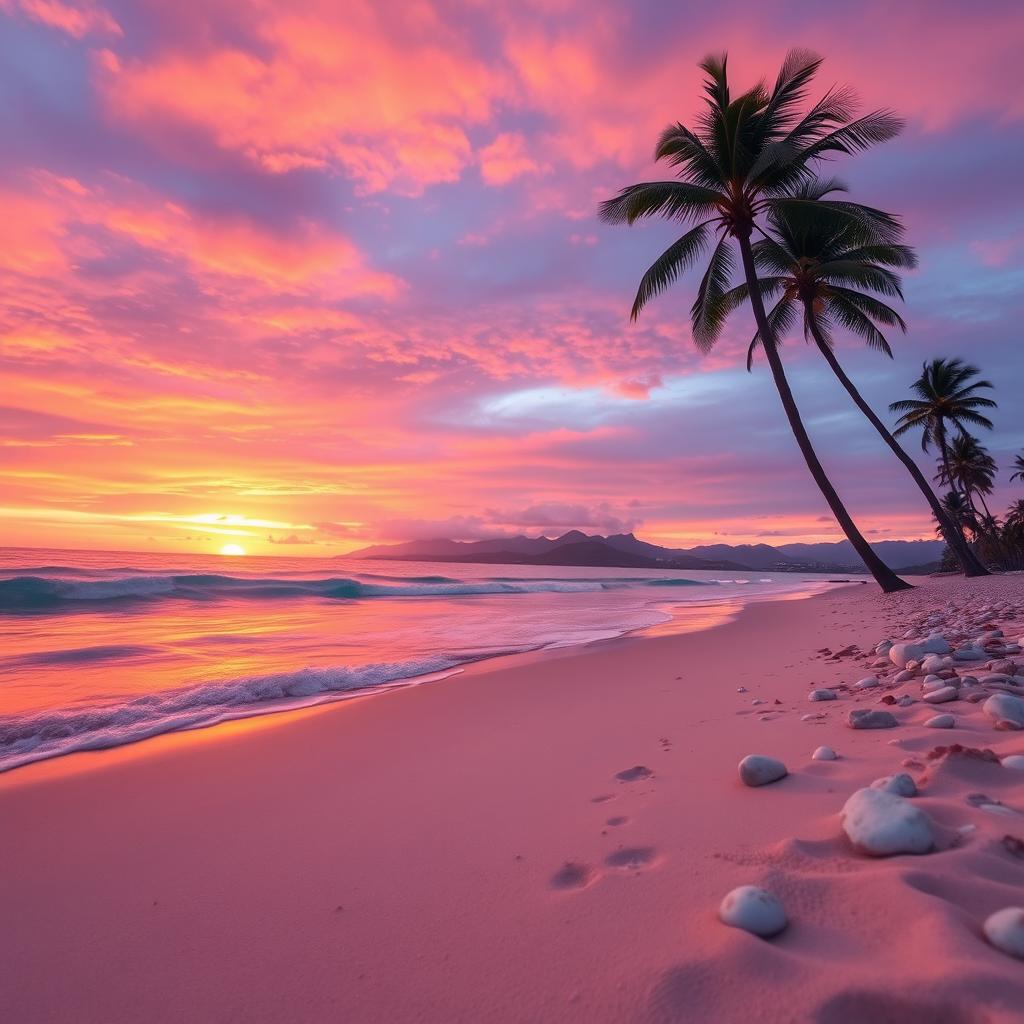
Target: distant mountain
x=627 y=551
x=895 y=553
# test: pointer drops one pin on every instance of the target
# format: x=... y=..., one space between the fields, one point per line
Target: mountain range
x=627 y=551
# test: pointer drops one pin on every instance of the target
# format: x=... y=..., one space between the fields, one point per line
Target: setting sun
x=232 y=549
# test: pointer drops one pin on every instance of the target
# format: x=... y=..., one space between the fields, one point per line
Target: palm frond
x=674 y=200
x=676 y=259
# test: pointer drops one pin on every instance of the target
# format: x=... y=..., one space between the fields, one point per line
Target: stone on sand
x=942 y=695
x=867 y=683
x=882 y=824
x=1005 y=930
x=1015 y=761
x=758 y=770
x=900 y=654
x=901 y=784
x=1005 y=710
x=821 y=695
x=941 y=722
x=753 y=909
x=864 y=718
x=826 y=754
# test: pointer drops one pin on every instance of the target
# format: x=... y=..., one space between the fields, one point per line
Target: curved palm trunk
x=884 y=576
x=950 y=531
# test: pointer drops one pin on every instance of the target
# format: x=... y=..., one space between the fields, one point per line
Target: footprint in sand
x=572 y=875
x=617 y=821
x=631 y=858
x=634 y=774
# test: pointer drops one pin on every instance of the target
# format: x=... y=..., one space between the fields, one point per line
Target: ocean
x=99 y=649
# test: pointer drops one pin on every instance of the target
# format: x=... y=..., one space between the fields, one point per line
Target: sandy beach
x=467 y=850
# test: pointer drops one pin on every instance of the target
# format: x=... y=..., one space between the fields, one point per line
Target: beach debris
x=1014 y=761
x=941 y=722
x=824 y=754
x=1005 y=710
x=821 y=695
x=753 y=909
x=865 y=718
x=741 y=689
x=1005 y=930
x=880 y=824
x=942 y=695
x=901 y=784
x=758 y=770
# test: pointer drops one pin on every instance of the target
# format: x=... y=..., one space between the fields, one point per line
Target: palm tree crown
x=1018 y=468
x=828 y=270
x=946 y=393
x=746 y=158
x=969 y=465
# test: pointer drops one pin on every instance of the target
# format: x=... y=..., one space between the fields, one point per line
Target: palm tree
x=946 y=396
x=744 y=160
x=969 y=465
x=823 y=275
x=1018 y=468
x=957 y=509
x=1013 y=526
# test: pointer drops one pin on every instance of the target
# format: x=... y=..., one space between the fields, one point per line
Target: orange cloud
x=506 y=159
x=77 y=20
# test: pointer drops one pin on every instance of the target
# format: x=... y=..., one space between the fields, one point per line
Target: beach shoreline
x=465 y=851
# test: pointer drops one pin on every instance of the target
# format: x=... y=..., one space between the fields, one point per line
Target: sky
x=307 y=275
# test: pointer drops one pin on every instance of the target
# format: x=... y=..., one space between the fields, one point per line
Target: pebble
x=741 y=689
x=903 y=677
x=758 y=770
x=863 y=718
x=933 y=663
x=941 y=722
x=941 y=696
x=821 y=695
x=900 y=654
x=901 y=784
x=1005 y=930
x=1005 y=710
x=881 y=824
x=828 y=754
x=1014 y=761
x=936 y=644
x=756 y=701
x=867 y=683
x=754 y=910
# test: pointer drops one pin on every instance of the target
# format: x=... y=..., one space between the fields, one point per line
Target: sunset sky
x=310 y=275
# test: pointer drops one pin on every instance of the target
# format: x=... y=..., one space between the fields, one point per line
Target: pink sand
x=397 y=858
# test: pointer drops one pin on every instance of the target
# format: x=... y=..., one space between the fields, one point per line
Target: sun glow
x=232 y=549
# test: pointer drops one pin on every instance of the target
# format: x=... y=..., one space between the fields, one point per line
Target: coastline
x=401 y=856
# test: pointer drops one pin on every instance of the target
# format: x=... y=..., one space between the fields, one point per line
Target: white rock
x=900 y=654
x=884 y=647
x=1014 y=761
x=1005 y=930
x=903 y=677
x=756 y=701
x=811 y=718
x=881 y=824
x=758 y=770
x=754 y=910
x=933 y=663
x=867 y=683
x=828 y=754
x=821 y=695
x=936 y=644
x=901 y=784
x=865 y=718
x=941 y=722
x=947 y=693
x=1005 y=710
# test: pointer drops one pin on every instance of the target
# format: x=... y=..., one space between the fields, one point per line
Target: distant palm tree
x=745 y=159
x=970 y=466
x=823 y=274
x=1013 y=526
x=1018 y=468
x=957 y=508
x=947 y=397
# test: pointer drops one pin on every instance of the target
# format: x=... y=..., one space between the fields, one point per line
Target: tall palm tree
x=823 y=275
x=1018 y=468
x=946 y=397
x=744 y=159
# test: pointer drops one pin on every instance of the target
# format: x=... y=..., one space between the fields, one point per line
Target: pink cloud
x=76 y=19
x=506 y=159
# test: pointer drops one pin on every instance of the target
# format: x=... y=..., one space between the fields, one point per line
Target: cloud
x=506 y=159
x=76 y=19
